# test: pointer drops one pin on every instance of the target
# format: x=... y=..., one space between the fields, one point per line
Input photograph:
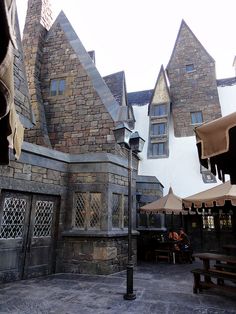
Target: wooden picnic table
x=223 y=269
x=222 y=258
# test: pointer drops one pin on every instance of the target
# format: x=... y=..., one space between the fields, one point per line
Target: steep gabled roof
x=230 y=81
x=99 y=85
x=117 y=85
x=140 y=98
x=161 y=89
x=115 y=82
x=182 y=26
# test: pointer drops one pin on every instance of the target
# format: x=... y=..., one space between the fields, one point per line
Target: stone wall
x=77 y=121
x=34 y=34
x=95 y=255
x=21 y=99
x=43 y=171
x=195 y=90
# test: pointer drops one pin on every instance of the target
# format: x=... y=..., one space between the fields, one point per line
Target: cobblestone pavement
x=160 y=288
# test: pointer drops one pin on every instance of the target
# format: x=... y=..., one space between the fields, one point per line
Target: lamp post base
x=130 y=295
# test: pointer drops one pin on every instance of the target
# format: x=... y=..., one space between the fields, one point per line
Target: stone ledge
x=97 y=234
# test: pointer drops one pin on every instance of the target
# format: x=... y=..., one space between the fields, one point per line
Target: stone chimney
x=38 y=21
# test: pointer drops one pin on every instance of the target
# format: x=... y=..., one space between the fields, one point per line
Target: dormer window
x=189 y=67
x=158 y=129
x=159 y=110
x=57 y=87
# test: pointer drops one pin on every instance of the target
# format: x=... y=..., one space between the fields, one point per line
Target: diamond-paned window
x=87 y=210
x=79 y=210
x=13 y=218
x=43 y=219
x=95 y=210
x=116 y=210
x=125 y=211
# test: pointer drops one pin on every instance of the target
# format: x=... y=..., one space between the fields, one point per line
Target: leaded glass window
x=125 y=211
x=43 y=219
x=13 y=218
x=116 y=210
x=87 y=210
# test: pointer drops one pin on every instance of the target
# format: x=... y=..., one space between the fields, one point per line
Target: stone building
x=186 y=95
x=64 y=202
x=192 y=95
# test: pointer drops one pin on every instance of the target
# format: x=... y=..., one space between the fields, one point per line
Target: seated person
x=184 y=240
x=185 y=246
x=173 y=236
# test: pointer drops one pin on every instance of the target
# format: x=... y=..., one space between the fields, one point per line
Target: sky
x=138 y=36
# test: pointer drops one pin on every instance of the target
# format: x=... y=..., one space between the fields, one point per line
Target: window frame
x=158 y=127
x=122 y=214
x=88 y=212
x=157 y=111
x=190 y=68
x=195 y=115
x=164 y=149
x=57 y=91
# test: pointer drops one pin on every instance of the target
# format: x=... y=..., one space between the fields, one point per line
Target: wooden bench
x=212 y=273
x=225 y=266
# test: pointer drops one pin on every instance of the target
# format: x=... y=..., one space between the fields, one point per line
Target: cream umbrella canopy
x=168 y=204
x=214 y=196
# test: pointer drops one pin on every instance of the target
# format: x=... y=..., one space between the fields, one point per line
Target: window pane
x=79 y=210
x=196 y=117
x=208 y=222
x=95 y=210
x=189 y=67
x=125 y=211
x=53 y=87
x=61 y=87
x=116 y=210
x=159 y=110
x=158 y=129
x=158 y=149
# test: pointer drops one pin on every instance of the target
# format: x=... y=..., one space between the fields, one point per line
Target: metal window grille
x=79 y=210
x=95 y=210
x=125 y=211
x=43 y=219
x=116 y=210
x=87 y=210
x=13 y=218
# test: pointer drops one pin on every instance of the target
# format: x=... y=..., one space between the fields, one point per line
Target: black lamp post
x=134 y=143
